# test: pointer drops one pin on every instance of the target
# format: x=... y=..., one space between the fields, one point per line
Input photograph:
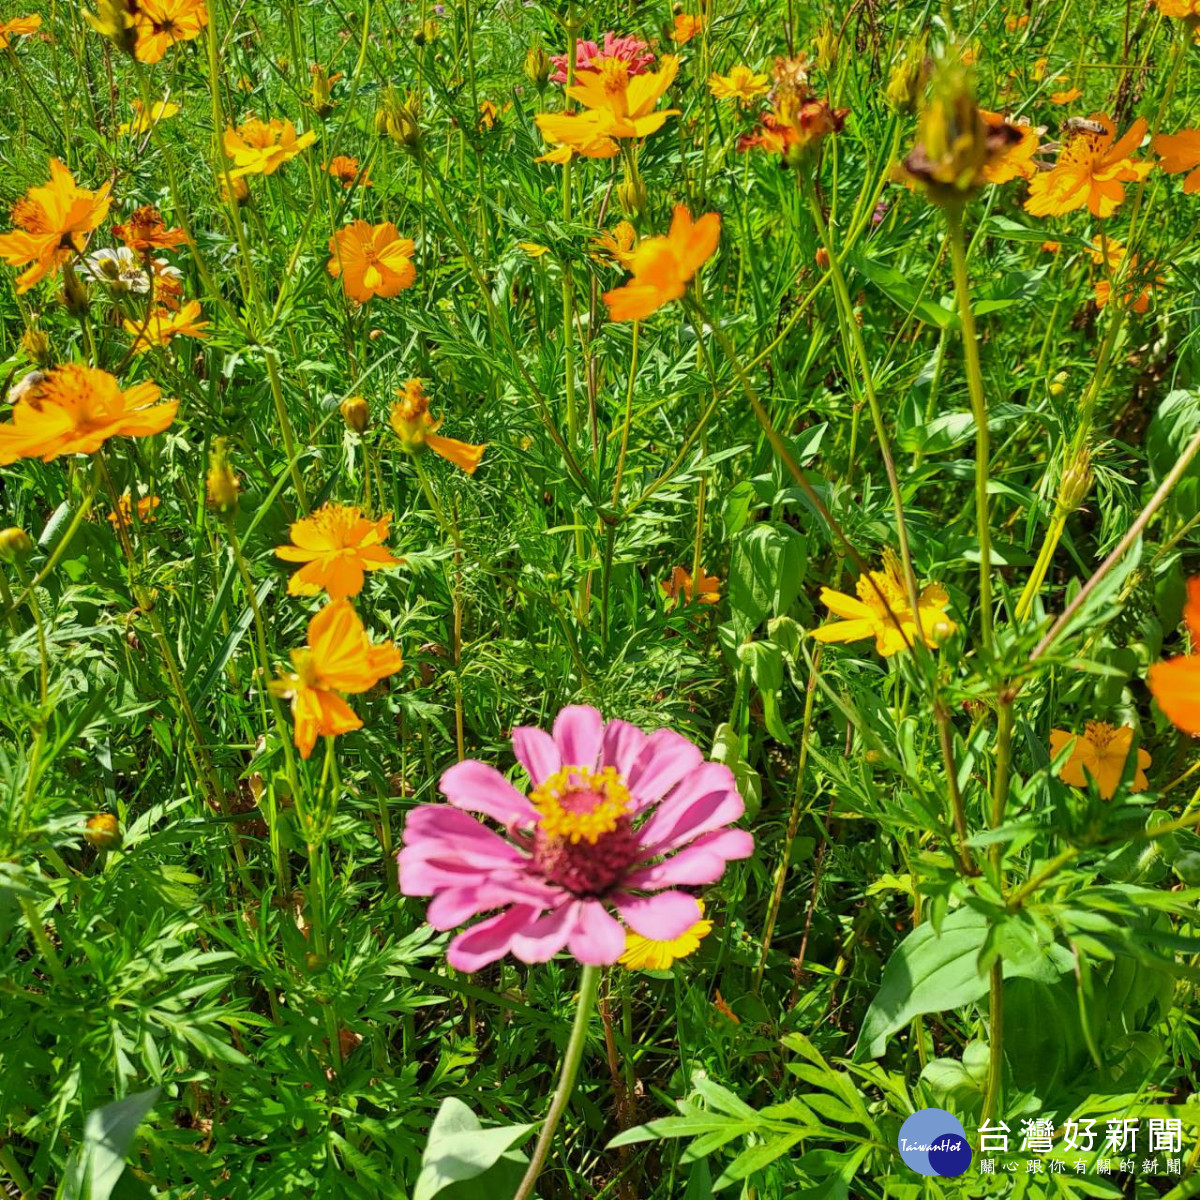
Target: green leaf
x=460 y=1149
x=766 y=572
x=933 y=972
x=108 y=1132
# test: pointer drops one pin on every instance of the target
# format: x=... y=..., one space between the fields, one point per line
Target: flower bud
x=826 y=44
x=822 y=258
x=631 y=196
x=322 y=86
x=1075 y=482
x=904 y=82
x=103 y=831
x=397 y=119
x=37 y=345
x=356 y=412
x=15 y=544
x=1058 y=384
x=537 y=67
x=113 y=19
x=75 y=293
x=221 y=481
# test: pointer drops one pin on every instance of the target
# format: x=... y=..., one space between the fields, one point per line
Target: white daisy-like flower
x=120 y=270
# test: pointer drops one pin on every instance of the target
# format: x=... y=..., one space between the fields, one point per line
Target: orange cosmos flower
x=262 y=147
x=1093 y=168
x=1099 y=753
x=741 y=84
x=1015 y=159
x=53 y=222
x=619 y=106
x=1175 y=683
x=683 y=589
x=75 y=410
x=372 y=260
x=1180 y=152
x=18 y=27
x=123 y=513
x=417 y=429
x=1139 y=283
x=159 y=24
x=339 y=658
x=1186 y=9
x=143 y=122
x=345 y=171
x=686 y=28
x=1067 y=97
x=618 y=246
x=145 y=230
x=336 y=544
x=162 y=325
x=663 y=266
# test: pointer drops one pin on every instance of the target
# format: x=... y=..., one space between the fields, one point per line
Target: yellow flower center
x=1099 y=733
x=578 y=804
x=306 y=668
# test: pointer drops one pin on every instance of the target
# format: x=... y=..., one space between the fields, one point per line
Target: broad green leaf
x=108 y=1132
x=460 y=1149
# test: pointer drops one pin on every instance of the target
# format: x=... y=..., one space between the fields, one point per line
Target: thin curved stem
x=589 y=980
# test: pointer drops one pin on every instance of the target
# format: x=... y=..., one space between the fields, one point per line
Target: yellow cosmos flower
x=1092 y=168
x=626 y=101
x=867 y=614
x=618 y=246
x=18 y=27
x=417 y=430
x=75 y=410
x=160 y=24
x=645 y=954
x=262 y=147
x=337 y=544
x=53 y=222
x=162 y=325
x=339 y=658
x=741 y=84
x=143 y=122
x=1016 y=160
x=372 y=260
x=1099 y=753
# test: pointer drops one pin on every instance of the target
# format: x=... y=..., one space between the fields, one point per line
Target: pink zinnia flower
x=627 y=48
x=617 y=819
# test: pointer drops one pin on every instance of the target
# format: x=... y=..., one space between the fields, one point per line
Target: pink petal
x=477 y=787
x=436 y=831
x=579 y=733
x=668 y=758
x=536 y=752
x=489 y=940
x=546 y=936
x=622 y=745
x=597 y=939
x=708 y=779
x=701 y=862
x=686 y=824
x=456 y=906
x=661 y=917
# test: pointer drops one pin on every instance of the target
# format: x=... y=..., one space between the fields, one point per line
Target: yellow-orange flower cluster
x=1092 y=169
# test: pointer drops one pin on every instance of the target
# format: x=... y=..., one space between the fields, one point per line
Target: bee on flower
x=75 y=409
x=339 y=659
x=416 y=430
x=53 y=224
x=1092 y=169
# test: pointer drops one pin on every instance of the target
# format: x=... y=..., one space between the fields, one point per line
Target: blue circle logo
x=932 y=1142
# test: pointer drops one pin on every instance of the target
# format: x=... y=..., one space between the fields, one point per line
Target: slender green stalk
x=589 y=980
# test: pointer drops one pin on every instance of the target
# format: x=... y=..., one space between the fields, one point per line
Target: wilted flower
x=417 y=430
x=356 y=412
x=53 y=222
x=399 y=120
x=1138 y=283
x=618 y=246
x=615 y=819
x=907 y=75
x=1099 y=753
x=537 y=67
x=663 y=266
x=339 y=658
x=145 y=230
x=75 y=409
x=956 y=144
x=322 y=89
x=337 y=544
x=797 y=122
x=122 y=515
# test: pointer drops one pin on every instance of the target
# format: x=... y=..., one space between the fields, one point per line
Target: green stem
x=589 y=980
x=962 y=286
